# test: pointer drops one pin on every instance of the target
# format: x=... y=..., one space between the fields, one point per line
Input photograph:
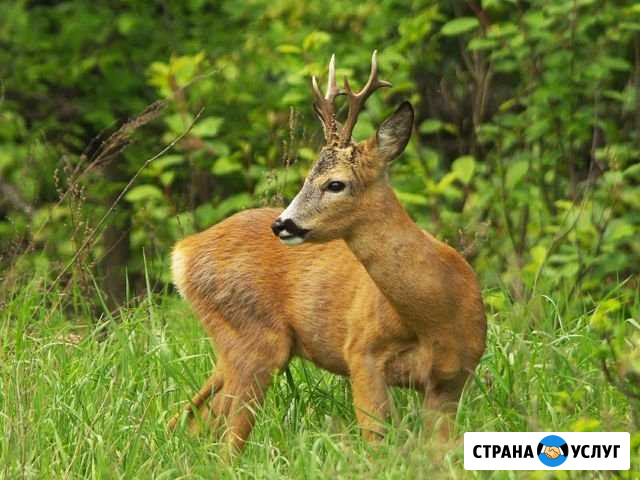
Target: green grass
x=84 y=395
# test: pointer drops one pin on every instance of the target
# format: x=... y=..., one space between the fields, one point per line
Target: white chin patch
x=290 y=241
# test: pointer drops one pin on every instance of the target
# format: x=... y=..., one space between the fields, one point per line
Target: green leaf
x=482 y=43
x=459 y=26
x=445 y=182
x=632 y=171
x=167 y=161
x=536 y=19
x=600 y=319
x=206 y=215
x=516 y=172
x=315 y=40
x=431 y=125
x=409 y=198
x=166 y=178
x=207 y=127
x=538 y=254
x=496 y=300
x=619 y=229
x=234 y=203
x=286 y=48
x=226 y=165
x=307 y=154
x=143 y=192
x=219 y=148
x=126 y=23
x=464 y=167
x=178 y=123
x=616 y=63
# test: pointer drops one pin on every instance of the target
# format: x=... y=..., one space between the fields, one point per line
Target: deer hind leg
x=441 y=404
x=250 y=359
x=199 y=401
x=228 y=400
x=234 y=409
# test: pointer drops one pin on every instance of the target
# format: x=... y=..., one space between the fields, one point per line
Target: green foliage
x=81 y=398
x=527 y=132
x=460 y=25
x=525 y=156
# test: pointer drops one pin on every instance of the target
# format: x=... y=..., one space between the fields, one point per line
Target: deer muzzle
x=288 y=231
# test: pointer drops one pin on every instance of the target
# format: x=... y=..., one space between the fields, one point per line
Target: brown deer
x=365 y=293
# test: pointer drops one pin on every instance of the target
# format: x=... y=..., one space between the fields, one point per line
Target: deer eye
x=335 y=186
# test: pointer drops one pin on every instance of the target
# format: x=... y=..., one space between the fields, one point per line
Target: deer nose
x=288 y=225
x=277 y=227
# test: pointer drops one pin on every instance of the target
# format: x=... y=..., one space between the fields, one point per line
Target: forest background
x=126 y=125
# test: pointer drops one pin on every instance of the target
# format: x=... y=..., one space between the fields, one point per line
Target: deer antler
x=324 y=104
x=357 y=100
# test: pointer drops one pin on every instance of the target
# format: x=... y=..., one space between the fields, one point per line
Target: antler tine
x=323 y=104
x=332 y=86
x=316 y=90
x=357 y=100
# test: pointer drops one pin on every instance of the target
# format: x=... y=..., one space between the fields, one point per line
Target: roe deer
x=366 y=293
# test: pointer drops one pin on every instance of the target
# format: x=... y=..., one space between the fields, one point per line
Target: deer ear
x=394 y=133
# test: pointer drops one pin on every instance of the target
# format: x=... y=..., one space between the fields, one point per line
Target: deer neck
x=396 y=253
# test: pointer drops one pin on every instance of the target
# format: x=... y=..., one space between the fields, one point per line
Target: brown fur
x=368 y=295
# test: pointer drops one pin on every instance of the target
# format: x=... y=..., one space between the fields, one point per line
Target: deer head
x=347 y=177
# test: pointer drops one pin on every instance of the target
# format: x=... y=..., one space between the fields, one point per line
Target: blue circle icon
x=553 y=451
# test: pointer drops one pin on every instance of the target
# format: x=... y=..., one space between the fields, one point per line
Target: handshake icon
x=552 y=452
